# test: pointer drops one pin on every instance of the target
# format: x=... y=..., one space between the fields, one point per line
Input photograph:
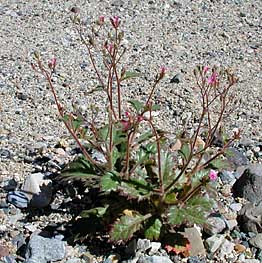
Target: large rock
x=250 y=217
x=214 y=225
x=256 y=241
x=43 y=250
x=39 y=189
x=249 y=184
x=196 y=243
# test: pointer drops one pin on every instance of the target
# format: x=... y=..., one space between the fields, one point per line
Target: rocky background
x=34 y=145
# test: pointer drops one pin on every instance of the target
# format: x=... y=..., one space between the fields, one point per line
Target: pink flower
x=163 y=70
x=115 y=21
x=52 y=63
x=212 y=175
x=127 y=113
x=125 y=124
x=212 y=79
x=101 y=20
x=205 y=70
x=140 y=118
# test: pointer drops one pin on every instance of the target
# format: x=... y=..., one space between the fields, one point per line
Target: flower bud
x=101 y=20
x=52 y=63
x=163 y=70
x=115 y=21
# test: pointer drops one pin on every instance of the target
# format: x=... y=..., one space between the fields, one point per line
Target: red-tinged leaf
x=177 y=249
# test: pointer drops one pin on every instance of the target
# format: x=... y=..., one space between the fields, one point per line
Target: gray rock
x=256 y=241
x=236 y=157
x=227 y=177
x=18 y=199
x=249 y=185
x=18 y=241
x=39 y=189
x=214 y=225
x=231 y=223
x=5 y=154
x=73 y=260
x=143 y=245
x=155 y=246
x=197 y=246
x=236 y=207
x=154 y=259
x=214 y=242
x=249 y=217
x=252 y=260
x=9 y=259
x=43 y=250
x=226 y=248
x=194 y=260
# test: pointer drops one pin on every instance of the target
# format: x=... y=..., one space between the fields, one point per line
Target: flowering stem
x=160 y=175
x=60 y=110
x=152 y=91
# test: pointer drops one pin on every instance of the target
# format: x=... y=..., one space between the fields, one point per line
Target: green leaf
x=185 y=151
x=66 y=118
x=81 y=169
x=110 y=182
x=77 y=123
x=115 y=156
x=137 y=105
x=154 y=230
x=167 y=168
x=145 y=136
x=103 y=133
x=119 y=136
x=97 y=211
x=197 y=177
x=130 y=74
x=151 y=148
x=220 y=164
x=124 y=228
x=155 y=107
x=193 y=212
x=136 y=188
x=175 y=216
x=171 y=198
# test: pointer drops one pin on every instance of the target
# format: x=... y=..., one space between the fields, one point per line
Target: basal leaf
x=137 y=105
x=175 y=216
x=167 y=168
x=185 y=151
x=136 y=188
x=151 y=148
x=130 y=74
x=81 y=169
x=115 y=156
x=154 y=230
x=145 y=136
x=110 y=182
x=125 y=227
x=103 y=133
x=97 y=211
x=193 y=212
x=171 y=198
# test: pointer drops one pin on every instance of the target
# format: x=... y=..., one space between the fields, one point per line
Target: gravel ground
x=179 y=34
